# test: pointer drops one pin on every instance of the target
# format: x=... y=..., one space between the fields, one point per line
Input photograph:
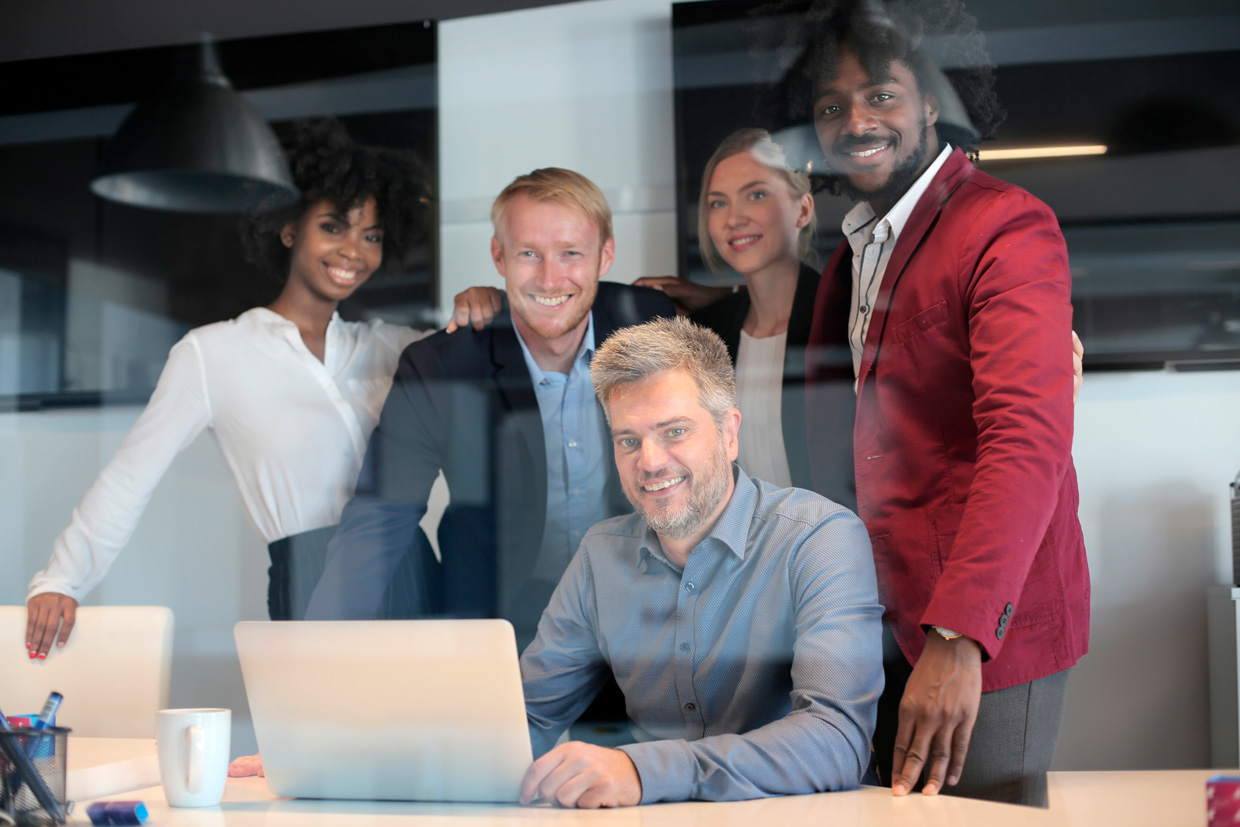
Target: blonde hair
x=563 y=186
x=758 y=143
x=633 y=354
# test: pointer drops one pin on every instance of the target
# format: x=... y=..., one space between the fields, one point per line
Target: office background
x=589 y=86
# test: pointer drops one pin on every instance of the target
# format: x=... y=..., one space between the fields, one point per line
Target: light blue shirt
x=576 y=439
x=755 y=671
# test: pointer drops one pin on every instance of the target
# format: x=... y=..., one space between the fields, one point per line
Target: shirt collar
x=537 y=374
x=732 y=527
x=859 y=224
x=282 y=331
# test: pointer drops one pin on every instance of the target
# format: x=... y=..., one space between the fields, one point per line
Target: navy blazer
x=463 y=403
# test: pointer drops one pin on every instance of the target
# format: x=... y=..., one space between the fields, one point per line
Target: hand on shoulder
x=476 y=307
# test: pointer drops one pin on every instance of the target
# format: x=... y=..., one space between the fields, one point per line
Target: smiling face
x=551 y=257
x=752 y=215
x=674 y=463
x=877 y=133
x=332 y=251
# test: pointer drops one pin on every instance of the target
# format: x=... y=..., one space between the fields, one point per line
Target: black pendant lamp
x=197 y=146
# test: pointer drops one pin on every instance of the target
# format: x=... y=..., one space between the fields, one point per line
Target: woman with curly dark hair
x=290 y=391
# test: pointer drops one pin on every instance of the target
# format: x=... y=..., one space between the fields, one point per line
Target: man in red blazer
x=948 y=306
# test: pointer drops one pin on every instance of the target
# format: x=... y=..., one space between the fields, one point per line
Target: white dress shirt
x=872 y=242
x=292 y=429
x=760 y=397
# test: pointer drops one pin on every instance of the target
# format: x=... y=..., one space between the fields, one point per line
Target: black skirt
x=297 y=563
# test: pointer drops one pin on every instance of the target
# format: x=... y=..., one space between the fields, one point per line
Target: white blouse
x=759 y=395
x=292 y=429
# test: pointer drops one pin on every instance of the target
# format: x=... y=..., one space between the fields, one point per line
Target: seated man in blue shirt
x=741 y=620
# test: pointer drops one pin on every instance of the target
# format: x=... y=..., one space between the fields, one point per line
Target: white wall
x=1154 y=453
x=587 y=86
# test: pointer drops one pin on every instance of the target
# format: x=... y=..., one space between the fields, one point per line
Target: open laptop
x=405 y=710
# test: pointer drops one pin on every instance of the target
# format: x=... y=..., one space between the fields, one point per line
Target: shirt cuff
x=666 y=769
x=47 y=585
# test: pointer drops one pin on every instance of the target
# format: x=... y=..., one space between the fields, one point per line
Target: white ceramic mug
x=193 y=754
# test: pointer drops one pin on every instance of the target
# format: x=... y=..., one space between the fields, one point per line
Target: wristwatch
x=947 y=634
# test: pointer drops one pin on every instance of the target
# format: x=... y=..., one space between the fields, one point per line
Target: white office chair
x=114 y=672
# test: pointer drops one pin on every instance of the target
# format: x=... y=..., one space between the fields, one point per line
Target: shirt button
x=572 y=443
x=690 y=707
x=688 y=587
x=865 y=309
x=684 y=647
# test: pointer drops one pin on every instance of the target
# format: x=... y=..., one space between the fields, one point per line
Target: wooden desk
x=1087 y=799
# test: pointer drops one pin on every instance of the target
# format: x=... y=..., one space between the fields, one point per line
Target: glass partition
x=97 y=292
x=1150 y=219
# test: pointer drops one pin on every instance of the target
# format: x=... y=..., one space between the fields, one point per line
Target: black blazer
x=726 y=317
x=464 y=403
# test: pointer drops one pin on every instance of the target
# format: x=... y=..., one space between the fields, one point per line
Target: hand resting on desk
x=571 y=775
x=584 y=776
x=246 y=766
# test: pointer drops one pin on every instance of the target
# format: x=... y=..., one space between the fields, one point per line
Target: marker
x=47 y=718
x=117 y=812
x=44 y=747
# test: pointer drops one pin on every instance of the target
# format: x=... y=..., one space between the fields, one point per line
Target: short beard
x=902 y=176
x=704 y=498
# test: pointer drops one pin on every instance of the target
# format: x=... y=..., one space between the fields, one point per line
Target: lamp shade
x=197 y=146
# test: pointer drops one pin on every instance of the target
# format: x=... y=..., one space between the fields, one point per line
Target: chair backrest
x=114 y=672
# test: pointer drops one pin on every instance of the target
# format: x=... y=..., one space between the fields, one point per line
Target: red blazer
x=963 y=431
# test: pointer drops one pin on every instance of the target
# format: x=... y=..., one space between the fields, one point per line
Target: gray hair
x=633 y=354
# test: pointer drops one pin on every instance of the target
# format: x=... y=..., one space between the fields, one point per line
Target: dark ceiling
x=66 y=27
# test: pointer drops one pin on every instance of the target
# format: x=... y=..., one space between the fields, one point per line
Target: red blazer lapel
x=953 y=172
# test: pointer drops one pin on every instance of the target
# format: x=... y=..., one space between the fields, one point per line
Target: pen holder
x=46 y=750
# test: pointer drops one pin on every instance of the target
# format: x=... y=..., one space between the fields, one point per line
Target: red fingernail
x=33 y=655
x=42 y=657
x=27 y=645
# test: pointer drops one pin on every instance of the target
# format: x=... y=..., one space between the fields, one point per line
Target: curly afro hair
x=327 y=165
x=927 y=36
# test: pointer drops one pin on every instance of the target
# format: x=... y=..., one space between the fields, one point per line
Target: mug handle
x=195 y=736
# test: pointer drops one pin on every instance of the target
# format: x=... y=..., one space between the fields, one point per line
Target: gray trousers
x=1013 y=741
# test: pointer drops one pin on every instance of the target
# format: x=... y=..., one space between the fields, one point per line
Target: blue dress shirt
x=755 y=671
x=575 y=435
